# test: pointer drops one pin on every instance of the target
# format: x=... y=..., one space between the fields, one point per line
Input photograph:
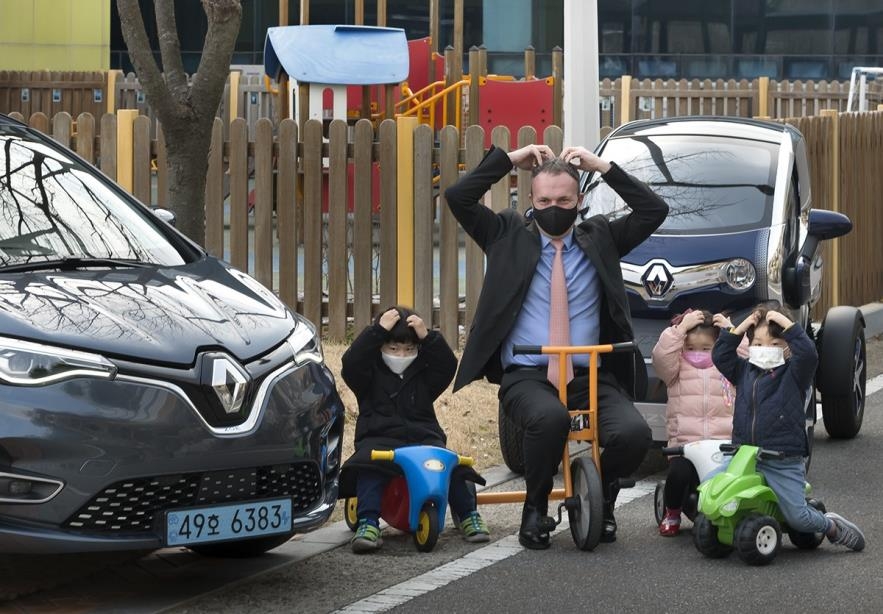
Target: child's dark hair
x=401 y=332
x=705 y=326
x=774 y=328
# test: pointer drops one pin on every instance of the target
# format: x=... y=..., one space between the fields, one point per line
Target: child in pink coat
x=700 y=401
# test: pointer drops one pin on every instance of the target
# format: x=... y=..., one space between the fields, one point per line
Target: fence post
x=234 y=95
x=834 y=139
x=125 y=143
x=625 y=98
x=405 y=209
x=763 y=96
x=111 y=94
x=558 y=87
x=530 y=63
x=474 y=78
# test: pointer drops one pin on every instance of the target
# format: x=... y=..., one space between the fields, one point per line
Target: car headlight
x=739 y=274
x=23 y=363
x=305 y=344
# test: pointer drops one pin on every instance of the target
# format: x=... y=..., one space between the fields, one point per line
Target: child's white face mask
x=397 y=364
x=766 y=357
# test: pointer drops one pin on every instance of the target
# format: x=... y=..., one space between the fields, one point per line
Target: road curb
x=873 y=314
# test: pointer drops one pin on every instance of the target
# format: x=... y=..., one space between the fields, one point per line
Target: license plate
x=228 y=522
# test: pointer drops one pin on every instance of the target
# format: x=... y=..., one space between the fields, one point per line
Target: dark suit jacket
x=512 y=246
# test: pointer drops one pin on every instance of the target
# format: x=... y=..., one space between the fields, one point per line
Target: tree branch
x=170 y=49
x=224 y=18
x=141 y=55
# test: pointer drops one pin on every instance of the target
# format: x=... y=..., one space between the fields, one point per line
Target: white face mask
x=397 y=364
x=766 y=357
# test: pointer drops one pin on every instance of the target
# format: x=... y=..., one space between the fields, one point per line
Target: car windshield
x=711 y=184
x=54 y=208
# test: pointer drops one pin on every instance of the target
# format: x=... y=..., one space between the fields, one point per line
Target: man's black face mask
x=555 y=221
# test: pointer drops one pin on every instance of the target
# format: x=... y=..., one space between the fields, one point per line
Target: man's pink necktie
x=559 y=315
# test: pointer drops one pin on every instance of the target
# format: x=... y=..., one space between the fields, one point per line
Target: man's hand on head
x=530 y=156
x=584 y=160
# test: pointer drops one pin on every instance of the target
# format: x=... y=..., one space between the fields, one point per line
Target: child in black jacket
x=397 y=368
x=771 y=390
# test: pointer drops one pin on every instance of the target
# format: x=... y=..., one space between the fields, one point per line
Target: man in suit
x=524 y=258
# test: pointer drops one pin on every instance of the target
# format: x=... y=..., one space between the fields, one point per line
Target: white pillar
x=581 y=115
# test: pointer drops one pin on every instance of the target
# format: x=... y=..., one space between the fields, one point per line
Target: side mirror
x=828 y=224
x=165 y=215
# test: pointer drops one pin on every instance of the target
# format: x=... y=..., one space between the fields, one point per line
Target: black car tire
x=244 y=549
x=705 y=538
x=757 y=539
x=842 y=371
x=511 y=442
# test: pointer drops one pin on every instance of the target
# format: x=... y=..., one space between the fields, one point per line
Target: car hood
x=684 y=250
x=156 y=315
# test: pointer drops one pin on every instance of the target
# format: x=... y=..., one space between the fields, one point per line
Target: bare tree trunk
x=185 y=110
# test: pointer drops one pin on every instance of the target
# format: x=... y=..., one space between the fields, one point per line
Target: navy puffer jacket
x=769 y=409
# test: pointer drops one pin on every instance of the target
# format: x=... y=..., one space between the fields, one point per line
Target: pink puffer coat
x=700 y=401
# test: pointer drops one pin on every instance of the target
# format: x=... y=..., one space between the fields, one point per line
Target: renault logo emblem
x=228 y=382
x=657 y=280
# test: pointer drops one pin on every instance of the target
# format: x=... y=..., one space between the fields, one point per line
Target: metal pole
x=582 y=124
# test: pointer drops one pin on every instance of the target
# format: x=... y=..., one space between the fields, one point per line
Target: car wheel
x=842 y=372
x=811 y=412
x=808 y=541
x=587 y=516
x=242 y=549
x=511 y=442
x=705 y=538
x=757 y=539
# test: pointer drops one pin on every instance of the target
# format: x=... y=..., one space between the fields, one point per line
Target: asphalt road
x=640 y=572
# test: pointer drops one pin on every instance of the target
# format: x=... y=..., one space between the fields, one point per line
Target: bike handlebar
x=624 y=346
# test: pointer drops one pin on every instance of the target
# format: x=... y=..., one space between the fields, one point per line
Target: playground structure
x=365 y=72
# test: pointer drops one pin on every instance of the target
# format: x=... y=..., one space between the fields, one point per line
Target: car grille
x=131 y=505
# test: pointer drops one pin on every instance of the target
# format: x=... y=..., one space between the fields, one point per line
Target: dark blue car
x=150 y=394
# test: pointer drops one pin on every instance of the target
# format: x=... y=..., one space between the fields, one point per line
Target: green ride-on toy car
x=738 y=511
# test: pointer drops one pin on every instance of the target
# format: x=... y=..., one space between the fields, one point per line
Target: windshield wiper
x=72 y=263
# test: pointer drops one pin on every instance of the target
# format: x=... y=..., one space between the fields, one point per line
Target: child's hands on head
x=721 y=321
x=690 y=321
x=389 y=318
x=751 y=320
x=416 y=322
x=779 y=318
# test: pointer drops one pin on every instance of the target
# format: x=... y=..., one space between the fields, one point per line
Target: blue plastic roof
x=338 y=55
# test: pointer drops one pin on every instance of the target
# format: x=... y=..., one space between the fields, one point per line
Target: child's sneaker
x=848 y=534
x=671 y=523
x=366 y=539
x=474 y=529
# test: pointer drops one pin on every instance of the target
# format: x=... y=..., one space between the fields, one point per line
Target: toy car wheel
x=757 y=539
x=350 y=513
x=426 y=534
x=705 y=538
x=511 y=442
x=242 y=549
x=808 y=541
x=842 y=371
x=587 y=517
x=659 y=502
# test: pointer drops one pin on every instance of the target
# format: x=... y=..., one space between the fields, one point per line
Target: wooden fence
x=621 y=99
x=344 y=266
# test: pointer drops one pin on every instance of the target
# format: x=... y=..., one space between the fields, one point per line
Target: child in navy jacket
x=771 y=386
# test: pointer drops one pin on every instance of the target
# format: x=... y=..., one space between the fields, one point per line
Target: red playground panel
x=515 y=104
x=350 y=188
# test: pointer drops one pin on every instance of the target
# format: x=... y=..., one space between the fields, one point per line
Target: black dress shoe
x=531 y=535
x=608 y=529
